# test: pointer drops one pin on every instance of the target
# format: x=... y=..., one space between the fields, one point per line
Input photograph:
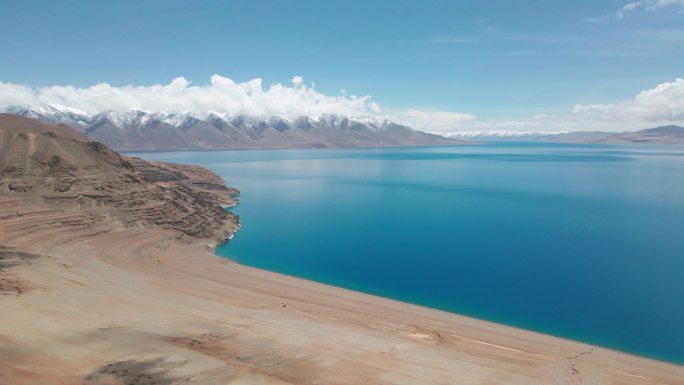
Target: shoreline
x=473 y=315
x=215 y=249
x=168 y=307
x=424 y=304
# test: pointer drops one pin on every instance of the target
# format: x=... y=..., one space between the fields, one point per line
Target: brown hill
x=18 y=124
x=658 y=135
x=56 y=164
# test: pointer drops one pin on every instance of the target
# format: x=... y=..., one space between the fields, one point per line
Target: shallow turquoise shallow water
x=581 y=241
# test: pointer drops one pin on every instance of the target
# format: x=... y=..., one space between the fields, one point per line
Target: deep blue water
x=581 y=241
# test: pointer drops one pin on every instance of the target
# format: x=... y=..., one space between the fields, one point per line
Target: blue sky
x=496 y=60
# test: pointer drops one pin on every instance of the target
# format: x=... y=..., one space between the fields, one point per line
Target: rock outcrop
x=54 y=163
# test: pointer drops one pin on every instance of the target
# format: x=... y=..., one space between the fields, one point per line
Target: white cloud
x=222 y=96
x=297 y=80
x=663 y=104
x=431 y=120
x=648 y=5
x=15 y=94
x=634 y=6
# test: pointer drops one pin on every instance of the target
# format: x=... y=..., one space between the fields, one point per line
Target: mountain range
x=138 y=130
x=130 y=130
x=659 y=135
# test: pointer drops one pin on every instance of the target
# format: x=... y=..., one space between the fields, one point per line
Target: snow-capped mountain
x=121 y=119
x=138 y=130
x=52 y=113
x=660 y=135
x=529 y=136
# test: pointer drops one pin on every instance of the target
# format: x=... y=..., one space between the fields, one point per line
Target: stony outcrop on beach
x=106 y=278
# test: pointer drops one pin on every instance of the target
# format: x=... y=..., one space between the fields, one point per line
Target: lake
x=580 y=241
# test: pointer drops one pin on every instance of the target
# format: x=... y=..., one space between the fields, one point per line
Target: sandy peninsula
x=108 y=277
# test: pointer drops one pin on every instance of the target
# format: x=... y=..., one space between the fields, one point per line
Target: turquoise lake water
x=580 y=241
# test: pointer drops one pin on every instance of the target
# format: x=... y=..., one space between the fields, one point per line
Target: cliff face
x=56 y=164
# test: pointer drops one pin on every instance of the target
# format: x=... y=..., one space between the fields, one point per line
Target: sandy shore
x=85 y=301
